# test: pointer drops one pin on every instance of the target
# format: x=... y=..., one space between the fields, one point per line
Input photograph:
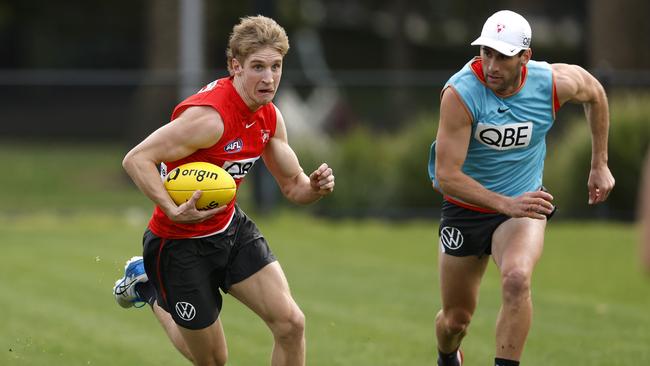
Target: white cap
x=505 y=31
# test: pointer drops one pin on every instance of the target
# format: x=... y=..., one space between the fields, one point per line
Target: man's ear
x=235 y=65
x=528 y=54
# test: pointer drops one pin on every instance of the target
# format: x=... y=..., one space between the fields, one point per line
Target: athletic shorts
x=188 y=273
x=465 y=232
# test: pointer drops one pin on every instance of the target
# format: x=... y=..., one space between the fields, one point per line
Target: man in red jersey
x=190 y=254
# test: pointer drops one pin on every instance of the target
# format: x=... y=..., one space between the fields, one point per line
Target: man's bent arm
x=195 y=128
x=283 y=164
x=576 y=85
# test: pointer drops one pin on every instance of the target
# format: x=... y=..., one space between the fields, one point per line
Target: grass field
x=368 y=288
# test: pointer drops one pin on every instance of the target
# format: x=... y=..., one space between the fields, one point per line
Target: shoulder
x=463 y=92
x=276 y=112
x=200 y=113
x=213 y=94
x=572 y=82
x=570 y=73
x=540 y=71
x=566 y=72
x=453 y=108
x=200 y=122
x=280 y=127
x=539 y=65
x=538 y=74
x=273 y=112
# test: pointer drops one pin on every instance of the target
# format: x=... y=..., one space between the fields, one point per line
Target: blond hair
x=252 y=34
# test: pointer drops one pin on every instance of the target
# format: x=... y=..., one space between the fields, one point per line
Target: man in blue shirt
x=487 y=161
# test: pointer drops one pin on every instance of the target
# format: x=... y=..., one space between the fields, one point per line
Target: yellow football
x=217 y=185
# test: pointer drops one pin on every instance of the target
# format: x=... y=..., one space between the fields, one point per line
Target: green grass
x=69 y=218
x=63 y=176
x=368 y=289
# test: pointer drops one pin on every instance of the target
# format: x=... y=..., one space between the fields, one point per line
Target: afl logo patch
x=185 y=310
x=234 y=146
x=451 y=237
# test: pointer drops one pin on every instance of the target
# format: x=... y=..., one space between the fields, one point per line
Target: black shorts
x=464 y=232
x=188 y=273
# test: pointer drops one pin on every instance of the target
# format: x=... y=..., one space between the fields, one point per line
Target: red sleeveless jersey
x=244 y=138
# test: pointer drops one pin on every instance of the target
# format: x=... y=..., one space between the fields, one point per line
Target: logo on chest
x=504 y=137
x=239 y=168
x=234 y=146
x=266 y=135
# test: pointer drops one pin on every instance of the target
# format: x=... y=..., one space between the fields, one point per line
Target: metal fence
x=107 y=104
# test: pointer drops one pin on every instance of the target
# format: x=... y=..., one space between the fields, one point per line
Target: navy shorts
x=188 y=273
x=465 y=232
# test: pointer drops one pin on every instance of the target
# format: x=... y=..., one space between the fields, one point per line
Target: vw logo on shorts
x=451 y=237
x=185 y=310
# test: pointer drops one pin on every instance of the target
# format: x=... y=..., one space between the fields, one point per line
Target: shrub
x=378 y=173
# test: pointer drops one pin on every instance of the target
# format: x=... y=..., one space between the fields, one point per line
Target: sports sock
x=146 y=292
x=448 y=359
x=504 y=362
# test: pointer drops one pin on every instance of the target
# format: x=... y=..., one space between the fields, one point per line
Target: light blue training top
x=508 y=141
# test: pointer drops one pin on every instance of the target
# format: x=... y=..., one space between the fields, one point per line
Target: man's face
x=502 y=73
x=259 y=76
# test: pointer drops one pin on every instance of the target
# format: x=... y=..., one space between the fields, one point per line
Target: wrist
x=316 y=195
x=598 y=160
x=502 y=204
x=168 y=208
x=597 y=164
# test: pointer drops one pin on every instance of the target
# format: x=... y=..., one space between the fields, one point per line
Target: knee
x=455 y=321
x=289 y=327
x=216 y=358
x=516 y=285
x=221 y=357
